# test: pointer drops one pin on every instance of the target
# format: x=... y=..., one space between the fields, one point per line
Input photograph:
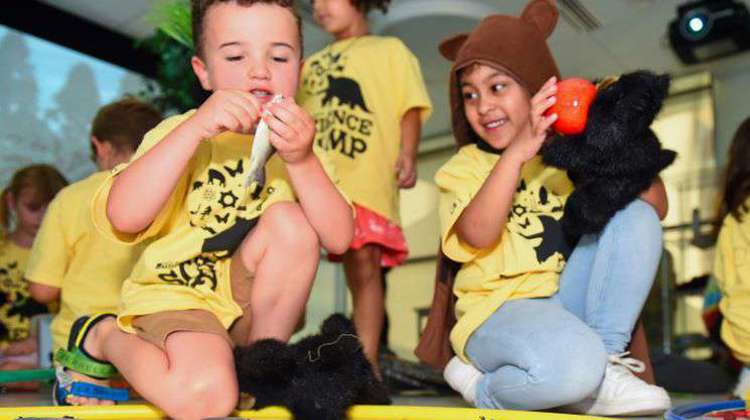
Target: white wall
x=732 y=98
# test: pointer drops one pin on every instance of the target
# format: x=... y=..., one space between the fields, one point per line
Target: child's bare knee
x=289 y=227
x=209 y=396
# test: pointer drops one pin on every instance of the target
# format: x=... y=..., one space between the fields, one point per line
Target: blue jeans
x=608 y=277
x=542 y=353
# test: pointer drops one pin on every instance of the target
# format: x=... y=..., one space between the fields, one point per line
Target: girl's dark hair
x=44 y=180
x=737 y=176
x=367 y=5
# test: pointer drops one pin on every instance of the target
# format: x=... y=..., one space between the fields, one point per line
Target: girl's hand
x=527 y=144
x=292 y=130
x=406 y=170
x=19 y=348
x=226 y=110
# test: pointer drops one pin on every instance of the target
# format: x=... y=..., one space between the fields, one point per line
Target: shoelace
x=630 y=363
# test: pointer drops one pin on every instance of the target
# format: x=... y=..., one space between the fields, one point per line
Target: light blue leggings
x=542 y=353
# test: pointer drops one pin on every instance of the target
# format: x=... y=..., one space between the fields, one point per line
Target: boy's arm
x=656 y=195
x=326 y=209
x=142 y=190
x=43 y=293
x=50 y=254
x=406 y=165
x=292 y=132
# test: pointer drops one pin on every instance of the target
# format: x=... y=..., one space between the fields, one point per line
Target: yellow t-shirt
x=185 y=263
x=732 y=272
x=358 y=90
x=15 y=301
x=70 y=254
x=525 y=262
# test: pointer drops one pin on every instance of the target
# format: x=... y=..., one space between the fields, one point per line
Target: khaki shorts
x=156 y=327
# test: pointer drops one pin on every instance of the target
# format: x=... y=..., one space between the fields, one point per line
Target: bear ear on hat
x=543 y=14
x=449 y=47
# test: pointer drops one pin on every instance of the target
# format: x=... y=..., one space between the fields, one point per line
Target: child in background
x=732 y=260
x=519 y=343
x=369 y=101
x=217 y=253
x=23 y=204
x=70 y=261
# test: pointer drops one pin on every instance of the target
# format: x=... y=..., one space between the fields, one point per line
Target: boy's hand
x=406 y=169
x=227 y=110
x=527 y=144
x=292 y=130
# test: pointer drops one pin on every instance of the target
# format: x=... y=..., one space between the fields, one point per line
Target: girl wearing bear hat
x=537 y=327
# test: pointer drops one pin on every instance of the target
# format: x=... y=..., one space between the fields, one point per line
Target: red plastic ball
x=574 y=97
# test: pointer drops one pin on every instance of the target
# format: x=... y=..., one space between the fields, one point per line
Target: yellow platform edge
x=359 y=412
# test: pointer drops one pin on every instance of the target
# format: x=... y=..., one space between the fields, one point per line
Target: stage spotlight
x=709 y=29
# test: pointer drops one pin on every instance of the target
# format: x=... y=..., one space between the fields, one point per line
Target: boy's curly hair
x=199 y=8
x=367 y=5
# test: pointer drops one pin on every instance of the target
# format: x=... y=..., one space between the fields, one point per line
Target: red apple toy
x=574 y=96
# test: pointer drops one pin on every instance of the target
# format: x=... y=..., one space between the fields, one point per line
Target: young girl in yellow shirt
x=369 y=101
x=539 y=325
x=24 y=202
x=732 y=260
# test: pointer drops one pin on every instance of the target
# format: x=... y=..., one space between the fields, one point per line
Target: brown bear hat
x=515 y=45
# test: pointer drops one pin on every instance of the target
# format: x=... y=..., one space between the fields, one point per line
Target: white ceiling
x=632 y=35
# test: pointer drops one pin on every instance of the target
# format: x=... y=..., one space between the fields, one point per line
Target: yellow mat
x=360 y=412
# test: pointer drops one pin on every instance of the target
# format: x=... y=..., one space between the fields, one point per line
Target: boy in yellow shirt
x=218 y=255
x=70 y=261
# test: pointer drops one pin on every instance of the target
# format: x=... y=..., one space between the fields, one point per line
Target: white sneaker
x=743 y=384
x=623 y=394
x=463 y=378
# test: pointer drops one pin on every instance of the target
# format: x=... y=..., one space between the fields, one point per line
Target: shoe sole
x=632 y=408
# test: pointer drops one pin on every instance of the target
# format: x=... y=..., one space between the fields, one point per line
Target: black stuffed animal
x=317 y=378
x=617 y=157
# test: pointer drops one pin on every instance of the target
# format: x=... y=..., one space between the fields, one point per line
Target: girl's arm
x=483 y=220
x=406 y=164
x=656 y=195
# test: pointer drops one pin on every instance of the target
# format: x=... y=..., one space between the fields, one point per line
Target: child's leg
x=605 y=283
x=364 y=277
x=272 y=274
x=193 y=379
x=608 y=277
x=535 y=355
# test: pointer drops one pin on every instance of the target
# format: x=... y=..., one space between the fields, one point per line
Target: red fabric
x=372 y=228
